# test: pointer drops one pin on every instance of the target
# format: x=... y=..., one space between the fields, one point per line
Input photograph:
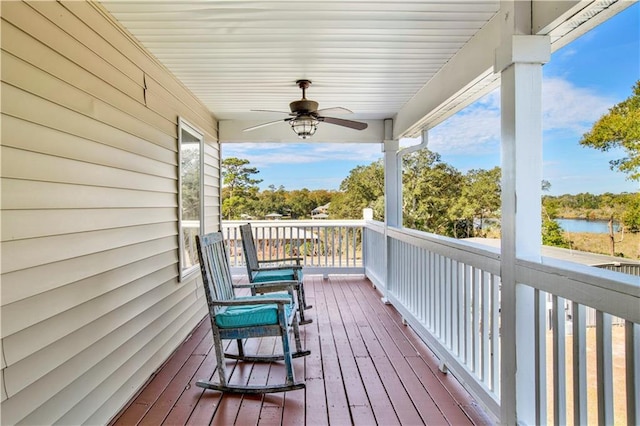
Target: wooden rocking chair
x=291 y=270
x=239 y=318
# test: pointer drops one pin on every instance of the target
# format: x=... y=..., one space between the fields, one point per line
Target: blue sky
x=581 y=82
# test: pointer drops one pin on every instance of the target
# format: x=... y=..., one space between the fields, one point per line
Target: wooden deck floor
x=365 y=368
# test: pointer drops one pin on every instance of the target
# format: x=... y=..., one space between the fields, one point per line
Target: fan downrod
x=303 y=106
x=304 y=85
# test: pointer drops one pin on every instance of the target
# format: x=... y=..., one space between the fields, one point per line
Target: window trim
x=183 y=125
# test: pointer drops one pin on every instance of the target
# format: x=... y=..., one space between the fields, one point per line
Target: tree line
x=436 y=196
x=242 y=198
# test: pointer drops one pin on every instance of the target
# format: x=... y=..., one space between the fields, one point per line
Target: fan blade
x=271 y=110
x=346 y=123
x=334 y=110
x=248 y=129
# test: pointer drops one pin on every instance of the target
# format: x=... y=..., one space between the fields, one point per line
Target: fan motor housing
x=303 y=105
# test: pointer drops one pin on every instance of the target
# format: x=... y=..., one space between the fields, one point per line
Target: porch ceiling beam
x=547 y=15
x=231 y=131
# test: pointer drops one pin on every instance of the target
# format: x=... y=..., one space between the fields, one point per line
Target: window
x=191 y=205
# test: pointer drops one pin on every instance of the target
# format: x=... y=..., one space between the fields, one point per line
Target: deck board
x=365 y=367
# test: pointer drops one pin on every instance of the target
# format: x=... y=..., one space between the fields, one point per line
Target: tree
x=631 y=214
x=480 y=199
x=552 y=232
x=620 y=128
x=239 y=188
x=430 y=190
x=302 y=201
x=364 y=187
x=272 y=200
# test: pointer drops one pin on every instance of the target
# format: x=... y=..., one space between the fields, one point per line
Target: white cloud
x=476 y=129
x=268 y=154
x=571 y=108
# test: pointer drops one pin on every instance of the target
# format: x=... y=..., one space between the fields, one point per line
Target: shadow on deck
x=365 y=368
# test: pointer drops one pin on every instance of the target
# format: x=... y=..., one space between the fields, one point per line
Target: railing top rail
x=375 y=225
x=608 y=291
x=323 y=223
x=625 y=263
x=474 y=254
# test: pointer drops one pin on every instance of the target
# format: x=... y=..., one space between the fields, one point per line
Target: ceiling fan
x=305 y=116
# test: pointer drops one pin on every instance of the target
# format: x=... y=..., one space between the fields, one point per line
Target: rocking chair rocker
x=291 y=270
x=239 y=318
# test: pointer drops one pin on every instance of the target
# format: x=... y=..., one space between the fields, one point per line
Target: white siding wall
x=91 y=303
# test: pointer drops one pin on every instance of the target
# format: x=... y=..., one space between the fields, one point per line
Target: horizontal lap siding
x=91 y=303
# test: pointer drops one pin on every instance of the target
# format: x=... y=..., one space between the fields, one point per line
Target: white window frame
x=187 y=272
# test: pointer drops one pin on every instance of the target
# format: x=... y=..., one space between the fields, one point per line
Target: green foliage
x=553 y=235
x=480 y=199
x=430 y=188
x=631 y=214
x=239 y=187
x=363 y=188
x=236 y=176
x=620 y=128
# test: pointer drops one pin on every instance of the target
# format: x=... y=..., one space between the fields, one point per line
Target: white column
x=392 y=199
x=519 y=60
x=392 y=181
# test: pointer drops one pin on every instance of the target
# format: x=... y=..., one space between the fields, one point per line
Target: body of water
x=583 y=225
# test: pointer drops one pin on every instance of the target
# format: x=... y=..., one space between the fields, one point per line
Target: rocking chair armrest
x=270 y=285
x=259 y=301
x=276 y=268
x=286 y=259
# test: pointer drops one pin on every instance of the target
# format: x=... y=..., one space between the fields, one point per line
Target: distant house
x=273 y=216
x=320 y=212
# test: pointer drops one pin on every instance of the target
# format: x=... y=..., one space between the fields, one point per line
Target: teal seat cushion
x=252 y=315
x=277 y=275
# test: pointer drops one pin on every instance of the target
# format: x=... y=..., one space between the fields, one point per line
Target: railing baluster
x=484 y=329
x=559 y=363
x=476 y=321
x=455 y=307
x=447 y=302
x=632 y=370
x=604 y=368
x=441 y=296
x=432 y=292
x=422 y=279
x=462 y=301
x=540 y=330
x=468 y=314
x=579 y=364
x=495 y=334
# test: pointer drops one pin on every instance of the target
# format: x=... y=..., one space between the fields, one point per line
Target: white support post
x=519 y=60
x=392 y=196
x=392 y=184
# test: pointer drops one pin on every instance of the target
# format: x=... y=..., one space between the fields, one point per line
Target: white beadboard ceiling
x=368 y=56
x=376 y=58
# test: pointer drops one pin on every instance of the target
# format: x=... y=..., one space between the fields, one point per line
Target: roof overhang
x=415 y=62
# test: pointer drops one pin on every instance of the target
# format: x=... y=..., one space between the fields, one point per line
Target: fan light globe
x=304 y=126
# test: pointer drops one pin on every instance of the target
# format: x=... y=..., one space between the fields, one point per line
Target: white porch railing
x=449 y=292
x=325 y=246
